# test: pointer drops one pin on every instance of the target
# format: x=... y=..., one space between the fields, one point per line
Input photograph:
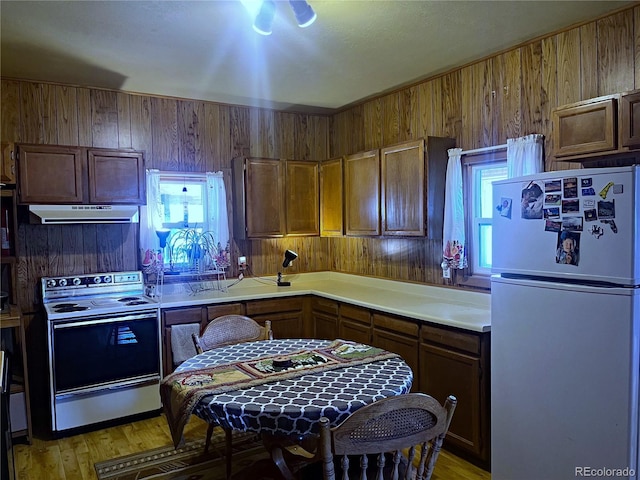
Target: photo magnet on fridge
x=568 y=249
x=505 y=207
x=532 y=200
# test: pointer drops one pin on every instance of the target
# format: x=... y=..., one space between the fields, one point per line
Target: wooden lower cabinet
x=398 y=336
x=286 y=315
x=215 y=311
x=324 y=318
x=445 y=360
x=456 y=362
x=355 y=324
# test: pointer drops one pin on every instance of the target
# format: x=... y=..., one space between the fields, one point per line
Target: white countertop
x=441 y=305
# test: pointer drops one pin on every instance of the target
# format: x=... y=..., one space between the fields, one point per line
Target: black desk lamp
x=289 y=256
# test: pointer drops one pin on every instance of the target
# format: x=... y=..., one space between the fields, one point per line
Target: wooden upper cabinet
x=630 y=119
x=265 y=199
x=58 y=174
x=51 y=174
x=586 y=127
x=301 y=186
x=116 y=177
x=403 y=183
x=331 y=198
x=362 y=193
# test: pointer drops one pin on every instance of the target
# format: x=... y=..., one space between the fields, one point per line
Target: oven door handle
x=150 y=380
x=117 y=318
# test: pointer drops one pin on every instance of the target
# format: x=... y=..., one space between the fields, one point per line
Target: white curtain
x=218 y=221
x=151 y=220
x=453 y=239
x=524 y=155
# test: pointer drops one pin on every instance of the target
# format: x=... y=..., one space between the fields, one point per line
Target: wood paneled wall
x=177 y=135
x=507 y=95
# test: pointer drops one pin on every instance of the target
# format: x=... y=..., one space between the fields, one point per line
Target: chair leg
x=207 y=441
x=228 y=453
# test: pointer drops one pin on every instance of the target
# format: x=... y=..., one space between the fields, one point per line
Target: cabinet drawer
x=355 y=313
x=182 y=315
x=215 y=311
x=289 y=304
x=467 y=342
x=324 y=305
x=396 y=325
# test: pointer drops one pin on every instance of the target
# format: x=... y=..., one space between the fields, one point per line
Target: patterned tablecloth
x=294 y=406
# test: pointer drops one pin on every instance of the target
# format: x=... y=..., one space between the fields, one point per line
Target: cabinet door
x=8 y=173
x=283 y=325
x=585 y=127
x=362 y=193
x=215 y=311
x=331 y=194
x=286 y=315
x=630 y=119
x=301 y=187
x=406 y=347
x=325 y=325
x=355 y=324
x=403 y=184
x=400 y=336
x=354 y=331
x=444 y=372
x=50 y=174
x=116 y=177
x=265 y=212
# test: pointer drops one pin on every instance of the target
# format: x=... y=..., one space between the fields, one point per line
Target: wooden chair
x=229 y=330
x=390 y=438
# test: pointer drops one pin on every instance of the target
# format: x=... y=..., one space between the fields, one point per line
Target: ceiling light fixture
x=305 y=15
x=264 y=19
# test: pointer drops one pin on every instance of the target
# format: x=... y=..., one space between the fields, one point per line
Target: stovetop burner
x=69 y=308
x=128 y=299
x=136 y=302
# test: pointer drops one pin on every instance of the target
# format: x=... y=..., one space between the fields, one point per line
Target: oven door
x=95 y=353
x=103 y=368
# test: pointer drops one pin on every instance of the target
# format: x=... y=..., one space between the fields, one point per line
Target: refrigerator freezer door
x=564 y=379
x=588 y=227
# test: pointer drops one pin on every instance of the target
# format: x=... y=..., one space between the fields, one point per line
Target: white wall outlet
x=242 y=262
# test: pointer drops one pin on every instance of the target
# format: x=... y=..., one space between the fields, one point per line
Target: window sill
x=476 y=282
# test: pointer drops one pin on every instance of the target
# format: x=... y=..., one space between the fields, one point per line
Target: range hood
x=67 y=214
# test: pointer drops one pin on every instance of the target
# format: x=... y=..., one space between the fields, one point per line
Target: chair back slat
x=230 y=330
x=410 y=427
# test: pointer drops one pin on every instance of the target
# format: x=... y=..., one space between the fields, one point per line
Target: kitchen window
x=184 y=226
x=479 y=173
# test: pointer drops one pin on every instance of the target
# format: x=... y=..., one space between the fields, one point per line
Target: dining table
x=281 y=388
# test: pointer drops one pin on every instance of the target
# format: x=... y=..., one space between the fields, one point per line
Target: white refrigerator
x=565 y=325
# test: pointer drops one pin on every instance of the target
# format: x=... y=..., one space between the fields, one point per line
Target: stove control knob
x=51 y=282
x=76 y=281
x=63 y=282
x=97 y=280
x=107 y=279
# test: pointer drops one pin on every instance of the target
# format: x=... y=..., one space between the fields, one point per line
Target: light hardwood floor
x=72 y=458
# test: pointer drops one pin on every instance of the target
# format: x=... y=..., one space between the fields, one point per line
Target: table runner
x=181 y=391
